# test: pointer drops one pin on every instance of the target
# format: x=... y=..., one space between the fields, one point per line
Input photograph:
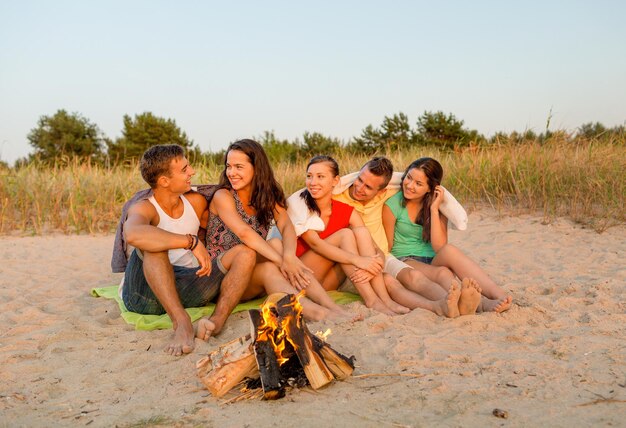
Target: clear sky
x=229 y=70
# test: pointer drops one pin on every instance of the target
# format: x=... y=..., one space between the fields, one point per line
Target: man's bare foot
x=183 y=340
x=450 y=304
x=205 y=329
x=496 y=305
x=470 y=297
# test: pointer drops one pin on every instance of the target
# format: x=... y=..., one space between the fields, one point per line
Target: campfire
x=279 y=352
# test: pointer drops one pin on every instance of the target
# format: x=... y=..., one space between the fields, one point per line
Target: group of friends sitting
x=383 y=232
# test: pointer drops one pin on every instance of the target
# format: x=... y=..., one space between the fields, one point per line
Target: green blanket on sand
x=154 y=322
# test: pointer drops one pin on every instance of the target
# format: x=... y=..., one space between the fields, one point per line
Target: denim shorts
x=193 y=291
x=422 y=259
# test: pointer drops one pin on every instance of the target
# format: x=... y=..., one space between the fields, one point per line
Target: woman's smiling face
x=239 y=169
x=415 y=184
x=320 y=179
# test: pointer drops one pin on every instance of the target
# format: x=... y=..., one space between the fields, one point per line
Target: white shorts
x=393 y=266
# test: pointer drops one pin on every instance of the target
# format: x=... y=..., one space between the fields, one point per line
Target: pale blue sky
x=228 y=70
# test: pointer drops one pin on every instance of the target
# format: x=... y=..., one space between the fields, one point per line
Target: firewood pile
x=279 y=352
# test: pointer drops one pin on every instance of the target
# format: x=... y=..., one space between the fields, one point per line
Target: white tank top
x=186 y=223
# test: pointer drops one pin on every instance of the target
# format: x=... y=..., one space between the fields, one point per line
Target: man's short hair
x=381 y=167
x=156 y=161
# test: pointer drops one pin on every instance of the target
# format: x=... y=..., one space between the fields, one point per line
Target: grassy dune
x=583 y=181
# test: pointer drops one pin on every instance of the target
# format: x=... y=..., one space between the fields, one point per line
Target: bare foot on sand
x=397 y=308
x=450 y=304
x=470 y=297
x=205 y=329
x=183 y=340
x=379 y=306
x=496 y=305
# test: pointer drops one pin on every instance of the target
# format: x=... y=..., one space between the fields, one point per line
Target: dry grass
x=583 y=181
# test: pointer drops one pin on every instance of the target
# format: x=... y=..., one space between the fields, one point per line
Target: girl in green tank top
x=418 y=235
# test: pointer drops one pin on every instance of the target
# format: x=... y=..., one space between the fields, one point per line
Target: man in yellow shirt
x=367 y=191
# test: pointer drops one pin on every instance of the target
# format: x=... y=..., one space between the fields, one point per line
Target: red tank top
x=339 y=218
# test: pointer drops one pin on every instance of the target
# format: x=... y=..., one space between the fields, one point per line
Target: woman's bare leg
x=345 y=240
x=316 y=292
x=267 y=275
x=366 y=248
x=438 y=274
x=414 y=280
x=446 y=305
x=334 y=278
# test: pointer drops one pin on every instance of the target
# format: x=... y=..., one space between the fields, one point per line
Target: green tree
x=65 y=134
x=369 y=142
x=315 y=143
x=146 y=130
x=437 y=128
x=396 y=132
x=592 y=130
x=277 y=150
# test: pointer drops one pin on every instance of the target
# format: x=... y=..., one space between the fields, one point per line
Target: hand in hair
x=437 y=199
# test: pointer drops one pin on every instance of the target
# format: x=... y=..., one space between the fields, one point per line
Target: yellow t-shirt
x=372 y=214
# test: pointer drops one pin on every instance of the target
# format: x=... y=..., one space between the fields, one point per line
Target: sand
x=557 y=358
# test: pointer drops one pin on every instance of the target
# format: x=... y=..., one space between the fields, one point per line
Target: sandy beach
x=556 y=358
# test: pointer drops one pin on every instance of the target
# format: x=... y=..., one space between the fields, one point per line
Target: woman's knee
x=346 y=237
x=344 y=233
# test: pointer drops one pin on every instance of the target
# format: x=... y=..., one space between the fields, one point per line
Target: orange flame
x=275 y=332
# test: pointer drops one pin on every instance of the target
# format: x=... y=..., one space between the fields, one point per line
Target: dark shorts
x=193 y=291
x=422 y=259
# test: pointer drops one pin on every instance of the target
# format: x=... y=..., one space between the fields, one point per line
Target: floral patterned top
x=220 y=238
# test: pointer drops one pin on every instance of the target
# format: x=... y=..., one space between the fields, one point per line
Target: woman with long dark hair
x=418 y=235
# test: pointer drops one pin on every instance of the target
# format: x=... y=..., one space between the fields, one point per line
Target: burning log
x=339 y=365
x=225 y=367
x=271 y=379
x=300 y=338
x=280 y=344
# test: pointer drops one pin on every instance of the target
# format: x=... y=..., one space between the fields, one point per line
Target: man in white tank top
x=170 y=268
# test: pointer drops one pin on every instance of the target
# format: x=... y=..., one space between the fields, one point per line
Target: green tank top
x=407 y=237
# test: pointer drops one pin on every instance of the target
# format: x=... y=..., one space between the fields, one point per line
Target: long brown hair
x=265 y=193
x=306 y=195
x=434 y=173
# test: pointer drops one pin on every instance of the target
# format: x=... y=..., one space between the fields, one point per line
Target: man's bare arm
x=141 y=232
